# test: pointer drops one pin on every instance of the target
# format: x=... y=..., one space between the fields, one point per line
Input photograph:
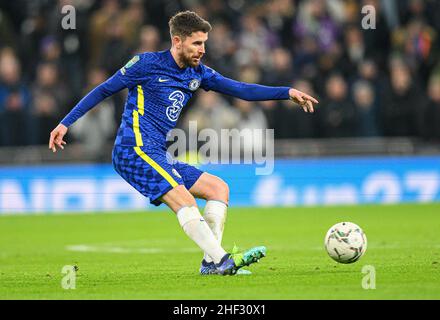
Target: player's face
x=193 y=48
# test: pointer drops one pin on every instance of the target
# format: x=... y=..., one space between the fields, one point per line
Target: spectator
x=71 y=40
x=281 y=71
x=430 y=121
x=211 y=111
x=337 y=114
x=279 y=17
x=401 y=102
x=355 y=49
x=115 y=52
x=50 y=50
x=14 y=102
x=221 y=49
x=250 y=117
x=365 y=102
x=132 y=19
x=149 y=39
x=95 y=129
x=413 y=9
x=100 y=21
x=306 y=58
x=418 y=47
x=291 y=121
x=6 y=33
x=50 y=100
x=254 y=42
x=377 y=38
x=316 y=20
x=368 y=72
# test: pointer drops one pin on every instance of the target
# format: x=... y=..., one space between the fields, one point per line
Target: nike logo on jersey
x=163 y=80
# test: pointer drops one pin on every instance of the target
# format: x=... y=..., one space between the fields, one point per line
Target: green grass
x=403 y=247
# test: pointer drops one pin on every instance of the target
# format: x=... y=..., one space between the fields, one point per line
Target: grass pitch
x=147 y=255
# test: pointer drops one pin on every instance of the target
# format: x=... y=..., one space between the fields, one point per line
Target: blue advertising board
x=304 y=182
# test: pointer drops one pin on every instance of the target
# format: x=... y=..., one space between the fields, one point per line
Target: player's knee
x=220 y=191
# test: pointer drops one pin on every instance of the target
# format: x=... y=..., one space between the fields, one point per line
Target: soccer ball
x=345 y=242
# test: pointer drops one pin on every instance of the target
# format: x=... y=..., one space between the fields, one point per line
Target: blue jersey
x=158 y=91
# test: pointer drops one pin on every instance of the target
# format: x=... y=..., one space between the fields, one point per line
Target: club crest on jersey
x=194 y=84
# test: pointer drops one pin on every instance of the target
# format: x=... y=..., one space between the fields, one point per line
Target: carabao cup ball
x=345 y=242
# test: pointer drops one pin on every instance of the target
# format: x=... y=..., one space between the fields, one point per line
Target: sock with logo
x=198 y=230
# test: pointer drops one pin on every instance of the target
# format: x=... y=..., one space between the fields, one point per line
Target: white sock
x=198 y=230
x=215 y=217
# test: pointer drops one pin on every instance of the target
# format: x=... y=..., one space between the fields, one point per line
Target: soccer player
x=160 y=85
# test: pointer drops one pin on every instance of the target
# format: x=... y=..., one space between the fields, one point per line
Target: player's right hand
x=56 y=137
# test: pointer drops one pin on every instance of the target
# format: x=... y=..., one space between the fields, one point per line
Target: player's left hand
x=303 y=99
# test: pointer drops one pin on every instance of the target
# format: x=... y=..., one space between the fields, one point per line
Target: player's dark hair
x=184 y=23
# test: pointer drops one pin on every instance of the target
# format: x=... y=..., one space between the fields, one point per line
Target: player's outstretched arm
x=104 y=90
x=94 y=97
x=127 y=77
x=255 y=92
x=304 y=100
x=56 y=137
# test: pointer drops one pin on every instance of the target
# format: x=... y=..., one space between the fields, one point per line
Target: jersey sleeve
x=209 y=78
x=128 y=76
x=135 y=70
x=104 y=90
x=212 y=80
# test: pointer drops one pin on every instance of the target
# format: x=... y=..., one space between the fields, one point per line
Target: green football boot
x=231 y=263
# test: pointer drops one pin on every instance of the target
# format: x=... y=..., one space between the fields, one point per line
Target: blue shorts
x=152 y=171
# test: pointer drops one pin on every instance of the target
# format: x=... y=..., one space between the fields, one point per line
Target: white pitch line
x=116 y=249
x=119 y=249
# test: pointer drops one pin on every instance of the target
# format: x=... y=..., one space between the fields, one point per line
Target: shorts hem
x=155 y=200
x=195 y=180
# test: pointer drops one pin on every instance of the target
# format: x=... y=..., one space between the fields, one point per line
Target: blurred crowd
x=370 y=82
